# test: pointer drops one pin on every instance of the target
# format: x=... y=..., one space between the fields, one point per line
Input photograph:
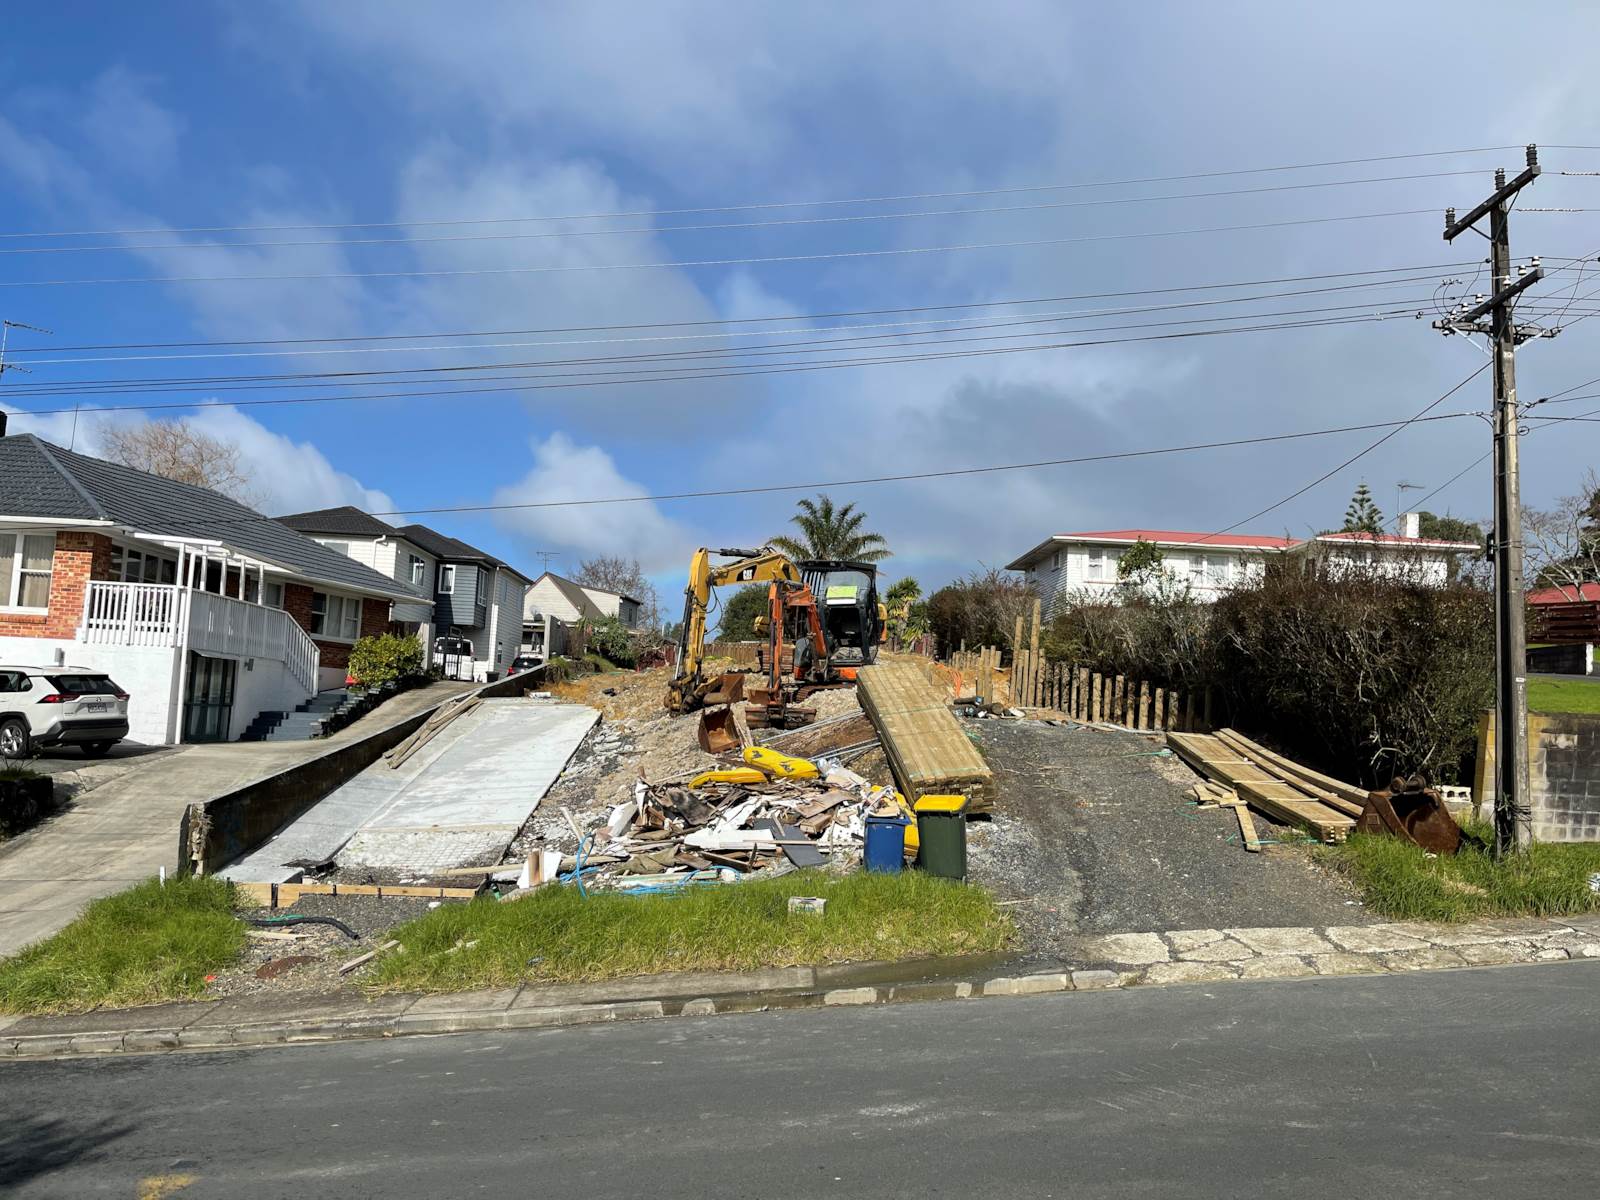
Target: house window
x=447 y=580
x=418 y=569
x=25 y=563
x=339 y=547
x=274 y=594
x=1217 y=568
x=335 y=616
x=1097 y=563
x=1055 y=561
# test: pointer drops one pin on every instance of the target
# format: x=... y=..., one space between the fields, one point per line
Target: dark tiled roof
x=576 y=596
x=452 y=549
x=38 y=479
x=346 y=519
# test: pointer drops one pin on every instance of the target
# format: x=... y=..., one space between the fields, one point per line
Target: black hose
x=273 y=922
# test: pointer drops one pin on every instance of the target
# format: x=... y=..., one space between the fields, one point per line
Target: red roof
x=1565 y=594
x=1249 y=541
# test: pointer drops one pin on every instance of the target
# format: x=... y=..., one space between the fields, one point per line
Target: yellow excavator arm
x=749 y=566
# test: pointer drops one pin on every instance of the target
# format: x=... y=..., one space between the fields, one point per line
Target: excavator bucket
x=718 y=731
x=729 y=689
x=1412 y=812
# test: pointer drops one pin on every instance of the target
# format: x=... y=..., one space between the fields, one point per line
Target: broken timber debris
x=927 y=749
x=1266 y=782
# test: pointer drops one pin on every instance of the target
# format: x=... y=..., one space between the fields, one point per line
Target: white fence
x=150 y=614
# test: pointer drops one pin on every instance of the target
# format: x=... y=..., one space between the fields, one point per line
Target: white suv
x=53 y=706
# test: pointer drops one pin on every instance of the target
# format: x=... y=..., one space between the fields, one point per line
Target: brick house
x=204 y=610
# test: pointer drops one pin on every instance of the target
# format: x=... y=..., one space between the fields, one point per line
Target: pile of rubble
x=773 y=814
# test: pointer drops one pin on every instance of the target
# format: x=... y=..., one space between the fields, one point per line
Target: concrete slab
x=476 y=794
x=459 y=799
x=115 y=1020
x=268 y=1007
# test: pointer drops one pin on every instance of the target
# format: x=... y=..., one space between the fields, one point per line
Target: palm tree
x=832 y=533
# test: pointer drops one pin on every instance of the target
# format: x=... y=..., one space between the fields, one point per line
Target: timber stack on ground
x=1323 y=806
x=928 y=752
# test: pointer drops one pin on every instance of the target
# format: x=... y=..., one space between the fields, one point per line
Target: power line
x=912 y=476
x=768 y=205
x=1421 y=415
x=993 y=319
x=723 y=321
x=814 y=346
x=712 y=262
x=681 y=375
x=723 y=226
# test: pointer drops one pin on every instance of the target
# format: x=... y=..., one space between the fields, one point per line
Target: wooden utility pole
x=1513 y=824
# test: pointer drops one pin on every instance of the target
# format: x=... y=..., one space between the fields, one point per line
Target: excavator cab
x=853 y=619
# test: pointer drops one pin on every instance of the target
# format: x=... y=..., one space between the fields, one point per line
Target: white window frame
x=10 y=600
x=1055 y=561
x=341 y=612
x=447 y=579
x=338 y=547
x=417 y=567
x=273 y=595
x=1096 y=569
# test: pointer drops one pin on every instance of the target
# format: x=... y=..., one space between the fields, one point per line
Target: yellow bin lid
x=941 y=804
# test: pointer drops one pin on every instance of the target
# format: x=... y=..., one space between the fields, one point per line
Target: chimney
x=1411 y=524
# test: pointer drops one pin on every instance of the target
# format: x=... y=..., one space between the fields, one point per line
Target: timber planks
x=1264 y=790
x=1344 y=796
x=927 y=749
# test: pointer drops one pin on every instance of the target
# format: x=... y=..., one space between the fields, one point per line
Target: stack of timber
x=927 y=749
x=1284 y=790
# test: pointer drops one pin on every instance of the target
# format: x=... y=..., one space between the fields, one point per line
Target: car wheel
x=96 y=749
x=14 y=739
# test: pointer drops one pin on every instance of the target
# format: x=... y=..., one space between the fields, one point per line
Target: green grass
x=147 y=944
x=1575 y=695
x=1400 y=881
x=558 y=936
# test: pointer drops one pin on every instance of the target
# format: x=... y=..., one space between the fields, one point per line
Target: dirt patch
x=323 y=947
x=1094 y=833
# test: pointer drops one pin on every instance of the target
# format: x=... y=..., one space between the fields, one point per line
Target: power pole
x=1513 y=816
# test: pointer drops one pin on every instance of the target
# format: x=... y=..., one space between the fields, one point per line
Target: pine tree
x=1363 y=516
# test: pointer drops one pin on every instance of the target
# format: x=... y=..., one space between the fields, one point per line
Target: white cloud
x=564 y=470
x=285 y=475
x=131 y=131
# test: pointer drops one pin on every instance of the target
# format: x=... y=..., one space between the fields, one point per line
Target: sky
x=163 y=136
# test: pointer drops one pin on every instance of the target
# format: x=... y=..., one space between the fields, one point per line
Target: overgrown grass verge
x=147 y=944
x=1402 y=882
x=558 y=936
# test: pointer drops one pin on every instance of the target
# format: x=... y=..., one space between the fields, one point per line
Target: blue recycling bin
x=885 y=848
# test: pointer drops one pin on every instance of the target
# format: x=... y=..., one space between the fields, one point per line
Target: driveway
x=126 y=828
x=1094 y=833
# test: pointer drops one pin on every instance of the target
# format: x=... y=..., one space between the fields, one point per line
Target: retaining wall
x=1563 y=774
x=217 y=831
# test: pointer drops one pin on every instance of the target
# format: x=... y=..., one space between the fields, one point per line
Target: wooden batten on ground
x=1272 y=790
x=927 y=749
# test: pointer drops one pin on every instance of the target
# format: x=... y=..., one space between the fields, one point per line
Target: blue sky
x=117 y=118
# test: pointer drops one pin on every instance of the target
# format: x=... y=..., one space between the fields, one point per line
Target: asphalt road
x=1442 y=1084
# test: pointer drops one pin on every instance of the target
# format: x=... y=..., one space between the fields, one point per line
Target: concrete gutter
x=225 y=828
x=269 y=1020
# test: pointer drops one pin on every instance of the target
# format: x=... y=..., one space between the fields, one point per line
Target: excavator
x=822 y=645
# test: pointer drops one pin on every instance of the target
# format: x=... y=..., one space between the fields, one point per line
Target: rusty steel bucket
x=718 y=732
x=1411 y=811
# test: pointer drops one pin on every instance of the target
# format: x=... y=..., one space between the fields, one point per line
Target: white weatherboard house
x=372 y=543
x=555 y=603
x=206 y=612
x=1072 y=565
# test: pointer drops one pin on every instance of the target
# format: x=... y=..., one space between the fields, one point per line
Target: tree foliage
x=613 y=573
x=908 y=616
x=1363 y=515
x=739 y=612
x=612 y=640
x=177 y=450
x=1449 y=529
x=1139 y=562
x=1562 y=544
x=829 y=532
x=980 y=610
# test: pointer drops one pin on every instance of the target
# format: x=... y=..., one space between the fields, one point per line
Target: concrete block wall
x=1563 y=774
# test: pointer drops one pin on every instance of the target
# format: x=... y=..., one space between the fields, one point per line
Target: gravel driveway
x=1094 y=833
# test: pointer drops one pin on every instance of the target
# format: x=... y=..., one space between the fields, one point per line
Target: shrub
x=612 y=640
x=385 y=658
x=980 y=610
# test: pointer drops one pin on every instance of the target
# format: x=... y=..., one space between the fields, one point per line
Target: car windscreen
x=85 y=685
